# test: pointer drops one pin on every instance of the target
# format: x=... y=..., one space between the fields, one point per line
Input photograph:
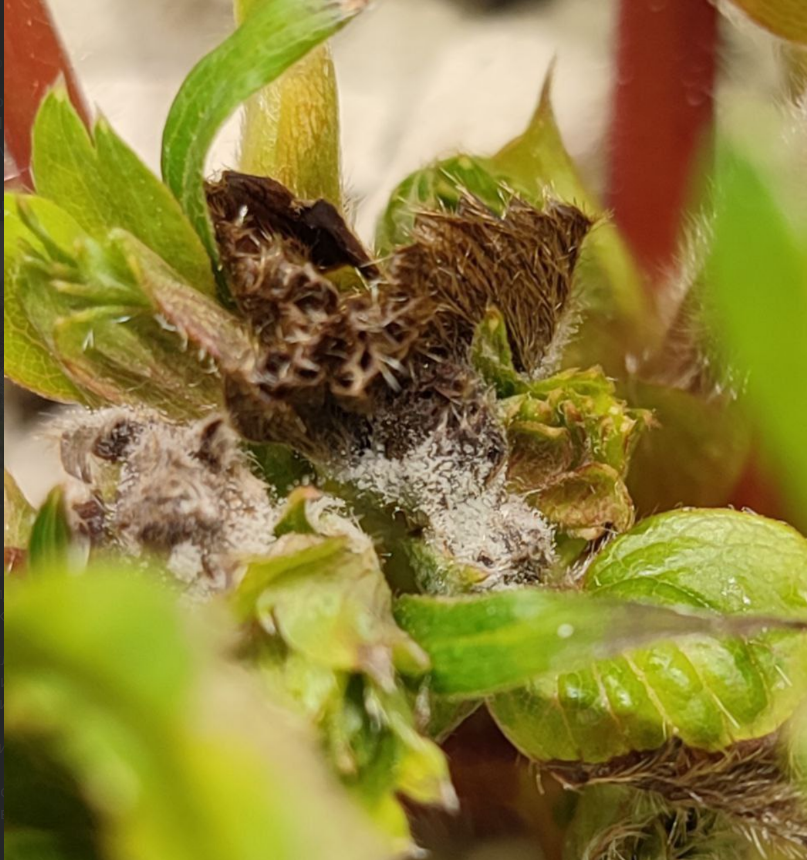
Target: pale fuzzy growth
x=183 y=492
x=330 y=517
x=469 y=513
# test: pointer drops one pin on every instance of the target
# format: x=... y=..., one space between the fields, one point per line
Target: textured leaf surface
x=482 y=644
x=178 y=759
x=123 y=325
x=101 y=183
x=26 y=358
x=710 y=693
x=273 y=38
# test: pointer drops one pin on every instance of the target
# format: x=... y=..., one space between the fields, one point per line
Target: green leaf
x=102 y=183
x=271 y=40
x=484 y=644
x=177 y=754
x=757 y=273
x=331 y=646
x=51 y=542
x=710 y=692
x=26 y=358
x=332 y=605
x=18 y=515
x=124 y=326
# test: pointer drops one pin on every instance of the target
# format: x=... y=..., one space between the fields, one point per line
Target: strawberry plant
x=324 y=501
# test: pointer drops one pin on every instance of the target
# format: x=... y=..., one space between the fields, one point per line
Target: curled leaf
x=26 y=358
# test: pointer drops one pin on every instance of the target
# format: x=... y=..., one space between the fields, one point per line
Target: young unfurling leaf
x=26 y=358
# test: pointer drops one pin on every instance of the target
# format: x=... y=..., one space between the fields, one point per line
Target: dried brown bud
x=521 y=263
x=745 y=781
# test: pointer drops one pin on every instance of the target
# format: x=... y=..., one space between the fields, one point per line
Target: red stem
x=663 y=115
x=34 y=60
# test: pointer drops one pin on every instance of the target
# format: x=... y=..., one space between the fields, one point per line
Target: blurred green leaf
x=709 y=692
x=40 y=845
x=51 y=542
x=757 y=274
x=178 y=758
x=484 y=644
x=26 y=358
x=695 y=452
x=274 y=37
x=18 y=515
x=101 y=183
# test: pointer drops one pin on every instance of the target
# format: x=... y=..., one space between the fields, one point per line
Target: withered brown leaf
x=521 y=263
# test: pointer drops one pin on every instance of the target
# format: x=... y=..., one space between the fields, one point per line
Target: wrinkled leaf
x=758 y=279
x=536 y=166
x=571 y=441
x=271 y=40
x=587 y=502
x=101 y=183
x=483 y=644
x=177 y=759
x=709 y=692
x=26 y=358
